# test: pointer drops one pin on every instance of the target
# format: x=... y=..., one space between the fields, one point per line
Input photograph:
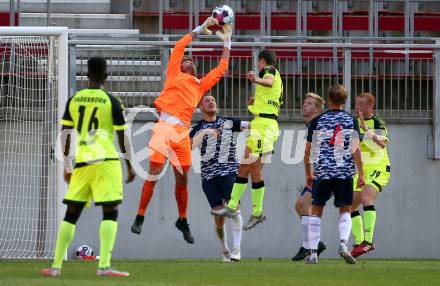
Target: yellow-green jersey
x=268 y=99
x=95 y=115
x=373 y=154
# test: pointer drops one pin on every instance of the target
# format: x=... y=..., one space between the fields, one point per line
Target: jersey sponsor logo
x=273 y=102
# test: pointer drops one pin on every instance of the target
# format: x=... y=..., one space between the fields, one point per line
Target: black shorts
x=342 y=189
x=218 y=190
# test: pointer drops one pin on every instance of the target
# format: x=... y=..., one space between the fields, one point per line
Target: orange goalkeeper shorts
x=170 y=141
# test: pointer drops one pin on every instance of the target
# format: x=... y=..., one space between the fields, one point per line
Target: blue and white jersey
x=332 y=135
x=218 y=156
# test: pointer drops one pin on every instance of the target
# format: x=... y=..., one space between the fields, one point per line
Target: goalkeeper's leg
x=146 y=195
x=181 y=192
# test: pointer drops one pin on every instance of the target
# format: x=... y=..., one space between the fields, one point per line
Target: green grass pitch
x=274 y=272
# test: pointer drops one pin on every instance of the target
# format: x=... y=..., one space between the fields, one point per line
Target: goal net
x=33 y=90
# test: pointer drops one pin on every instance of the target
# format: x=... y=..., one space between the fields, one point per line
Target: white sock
x=221 y=235
x=237 y=229
x=305 y=228
x=344 y=227
x=314 y=232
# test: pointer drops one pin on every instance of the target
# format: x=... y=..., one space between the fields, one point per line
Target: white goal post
x=33 y=93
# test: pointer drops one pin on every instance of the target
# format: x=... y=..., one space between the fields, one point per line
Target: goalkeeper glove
x=226 y=35
x=203 y=29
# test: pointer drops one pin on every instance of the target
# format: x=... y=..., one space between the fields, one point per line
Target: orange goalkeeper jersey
x=182 y=92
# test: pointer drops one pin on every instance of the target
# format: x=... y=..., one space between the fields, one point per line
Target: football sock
x=344 y=226
x=221 y=235
x=304 y=222
x=314 y=231
x=147 y=193
x=357 y=227
x=237 y=230
x=182 y=199
x=257 y=198
x=370 y=222
x=107 y=237
x=237 y=191
x=65 y=236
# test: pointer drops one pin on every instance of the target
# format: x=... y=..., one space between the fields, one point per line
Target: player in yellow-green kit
x=377 y=173
x=264 y=133
x=94 y=115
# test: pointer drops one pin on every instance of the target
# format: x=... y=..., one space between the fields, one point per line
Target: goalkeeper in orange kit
x=176 y=103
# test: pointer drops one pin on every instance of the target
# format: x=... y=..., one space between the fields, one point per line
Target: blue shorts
x=218 y=190
x=342 y=189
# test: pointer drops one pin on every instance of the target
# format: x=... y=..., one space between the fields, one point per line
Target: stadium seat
x=355 y=20
x=319 y=21
x=281 y=20
x=391 y=21
x=4 y=19
x=175 y=20
x=425 y=21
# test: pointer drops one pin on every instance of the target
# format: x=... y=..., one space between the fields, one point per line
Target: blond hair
x=319 y=101
x=370 y=98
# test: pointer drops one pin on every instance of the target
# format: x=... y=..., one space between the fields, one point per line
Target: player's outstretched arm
x=179 y=49
x=217 y=73
x=177 y=54
x=126 y=149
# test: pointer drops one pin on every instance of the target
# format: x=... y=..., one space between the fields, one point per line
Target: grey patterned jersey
x=332 y=135
x=218 y=156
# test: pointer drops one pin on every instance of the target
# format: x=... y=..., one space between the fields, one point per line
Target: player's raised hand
x=226 y=34
x=203 y=29
x=208 y=22
x=131 y=174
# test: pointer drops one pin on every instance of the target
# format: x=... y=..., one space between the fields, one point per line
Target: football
x=223 y=14
x=84 y=252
